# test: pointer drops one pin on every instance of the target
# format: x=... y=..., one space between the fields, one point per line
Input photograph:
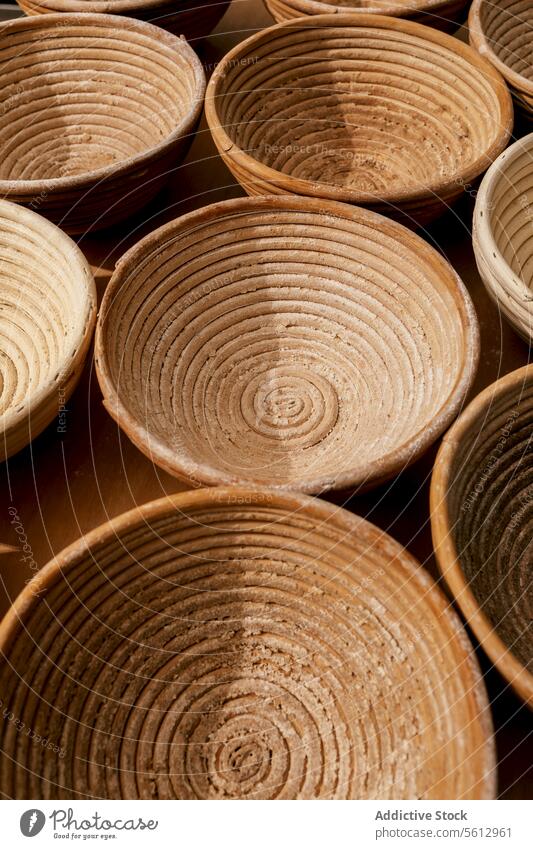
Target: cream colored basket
x=503 y=234
x=47 y=317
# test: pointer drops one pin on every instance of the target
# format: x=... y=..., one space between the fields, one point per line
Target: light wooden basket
x=482 y=521
x=366 y=109
x=503 y=234
x=441 y=14
x=47 y=319
x=240 y=644
x=95 y=113
x=501 y=30
x=285 y=341
x=192 y=18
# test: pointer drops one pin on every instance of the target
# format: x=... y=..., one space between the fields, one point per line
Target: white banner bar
x=267 y=825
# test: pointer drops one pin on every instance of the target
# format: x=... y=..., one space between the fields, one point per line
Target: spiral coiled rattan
x=482 y=522
x=192 y=18
x=442 y=14
x=503 y=234
x=360 y=108
x=47 y=316
x=226 y=644
x=284 y=341
x=95 y=111
x=502 y=31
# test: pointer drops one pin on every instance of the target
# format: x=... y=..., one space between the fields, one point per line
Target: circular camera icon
x=32 y=822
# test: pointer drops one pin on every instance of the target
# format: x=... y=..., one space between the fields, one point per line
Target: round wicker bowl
x=482 y=521
x=284 y=341
x=442 y=14
x=192 y=18
x=240 y=644
x=370 y=110
x=501 y=30
x=47 y=318
x=503 y=234
x=95 y=110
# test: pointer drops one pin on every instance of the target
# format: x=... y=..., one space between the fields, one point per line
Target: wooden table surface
x=66 y=483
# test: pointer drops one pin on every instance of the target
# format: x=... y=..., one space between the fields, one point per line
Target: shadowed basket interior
x=482 y=505
x=272 y=341
x=359 y=108
x=47 y=315
x=230 y=644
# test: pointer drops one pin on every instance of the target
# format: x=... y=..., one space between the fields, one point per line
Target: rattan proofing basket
x=96 y=111
x=192 y=18
x=482 y=520
x=47 y=317
x=442 y=14
x=501 y=30
x=239 y=644
x=285 y=341
x=503 y=234
x=366 y=109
